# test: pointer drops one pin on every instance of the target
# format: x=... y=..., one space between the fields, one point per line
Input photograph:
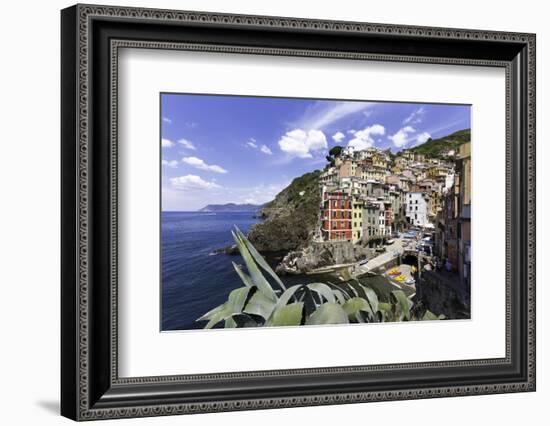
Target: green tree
x=334 y=152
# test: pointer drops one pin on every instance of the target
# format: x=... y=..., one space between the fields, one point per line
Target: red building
x=336 y=212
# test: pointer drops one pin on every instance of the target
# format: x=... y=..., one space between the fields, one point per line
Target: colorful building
x=336 y=216
x=357 y=220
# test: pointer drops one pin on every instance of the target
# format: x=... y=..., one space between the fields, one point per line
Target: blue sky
x=221 y=149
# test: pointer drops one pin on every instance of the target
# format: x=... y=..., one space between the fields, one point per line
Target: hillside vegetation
x=437 y=147
x=290 y=218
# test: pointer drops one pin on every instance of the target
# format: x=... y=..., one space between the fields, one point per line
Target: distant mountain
x=231 y=207
x=439 y=147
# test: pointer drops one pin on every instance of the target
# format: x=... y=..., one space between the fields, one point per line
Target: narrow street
x=392 y=251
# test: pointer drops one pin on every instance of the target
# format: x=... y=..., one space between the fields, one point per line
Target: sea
x=195 y=279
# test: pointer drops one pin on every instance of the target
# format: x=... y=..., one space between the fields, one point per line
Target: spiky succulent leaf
x=404 y=303
x=260 y=304
x=259 y=259
x=355 y=305
x=256 y=275
x=328 y=313
x=323 y=290
x=287 y=315
x=245 y=278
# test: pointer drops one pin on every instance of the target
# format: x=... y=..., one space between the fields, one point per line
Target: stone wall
x=322 y=254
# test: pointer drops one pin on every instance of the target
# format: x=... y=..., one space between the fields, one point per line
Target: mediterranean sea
x=194 y=280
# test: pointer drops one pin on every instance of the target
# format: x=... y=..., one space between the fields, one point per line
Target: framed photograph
x=263 y=212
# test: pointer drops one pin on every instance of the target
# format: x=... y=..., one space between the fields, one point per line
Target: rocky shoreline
x=288 y=228
x=317 y=255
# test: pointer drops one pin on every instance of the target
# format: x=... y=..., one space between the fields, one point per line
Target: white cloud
x=252 y=143
x=187 y=144
x=201 y=165
x=265 y=149
x=260 y=194
x=352 y=131
x=401 y=137
x=422 y=137
x=299 y=143
x=166 y=143
x=363 y=139
x=192 y=182
x=338 y=137
x=415 y=117
x=172 y=163
x=323 y=114
x=166 y=120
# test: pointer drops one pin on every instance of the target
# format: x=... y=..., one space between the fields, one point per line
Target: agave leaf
x=259 y=259
x=245 y=320
x=217 y=317
x=230 y=323
x=287 y=315
x=328 y=313
x=210 y=314
x=339 y=295
x=372 y=298
x=356 y=305
x=358 y=288
x=323 y=290
x=237 y=298
x=384 y=309
x=341 y=288
x=260 y=304
x=245 y=278
x=256 y=275
x=430 y=316
x=233 y=305
x=287 y=294
x=404 y=303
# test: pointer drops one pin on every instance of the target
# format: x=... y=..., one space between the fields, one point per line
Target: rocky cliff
x=291 y=218
x=321 y=254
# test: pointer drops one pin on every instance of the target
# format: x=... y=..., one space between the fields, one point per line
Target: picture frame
x=90 y=384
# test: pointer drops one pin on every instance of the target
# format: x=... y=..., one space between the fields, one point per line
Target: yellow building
x=378 y=175
x=464 y=153
x=356 y=220
x=379 y=161
x=437 y=171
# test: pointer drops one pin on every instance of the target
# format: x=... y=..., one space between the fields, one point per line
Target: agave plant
x=258 y=303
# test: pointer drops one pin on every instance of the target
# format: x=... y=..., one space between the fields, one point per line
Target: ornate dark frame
x=91 y=37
